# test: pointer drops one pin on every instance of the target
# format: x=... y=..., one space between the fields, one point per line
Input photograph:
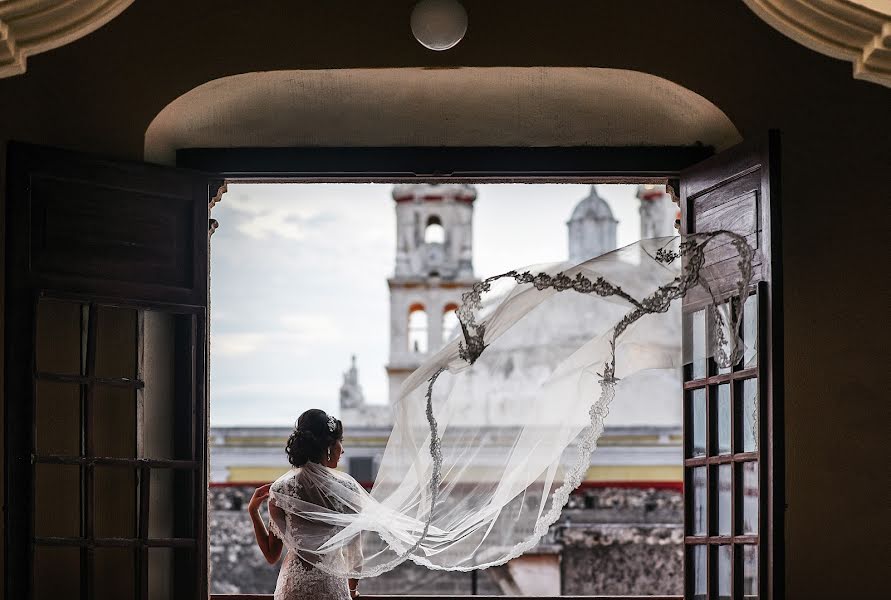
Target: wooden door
x=732 y=417
x=105 y=387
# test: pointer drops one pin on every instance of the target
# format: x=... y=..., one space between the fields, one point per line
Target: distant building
x=626 y=455
x=657 y=212
x=620 y=533
x=434 y=266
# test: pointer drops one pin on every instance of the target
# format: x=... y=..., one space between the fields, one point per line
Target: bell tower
x=657 y=212
x=434 y=267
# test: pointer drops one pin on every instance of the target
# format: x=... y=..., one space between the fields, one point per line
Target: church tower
x=354 y=409
x=657 y=212
x=592 y=228
x=434 y=267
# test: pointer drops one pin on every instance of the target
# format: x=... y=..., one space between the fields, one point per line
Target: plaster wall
x=527 y=106
x=100 y=94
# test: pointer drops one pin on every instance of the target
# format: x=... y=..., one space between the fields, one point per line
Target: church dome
x=592 y=228
x=592 y=207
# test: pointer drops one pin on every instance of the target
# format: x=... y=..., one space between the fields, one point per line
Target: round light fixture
x=438 y=24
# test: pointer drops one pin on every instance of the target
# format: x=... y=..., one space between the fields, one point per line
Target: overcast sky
x=298 y=283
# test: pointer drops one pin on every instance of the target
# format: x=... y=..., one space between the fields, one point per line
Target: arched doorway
x=495 y=106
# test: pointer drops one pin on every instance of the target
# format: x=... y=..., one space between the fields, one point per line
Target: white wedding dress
x=297 y=579
x=300 y=581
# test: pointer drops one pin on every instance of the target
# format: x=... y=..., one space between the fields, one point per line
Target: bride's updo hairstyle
x=314 y=433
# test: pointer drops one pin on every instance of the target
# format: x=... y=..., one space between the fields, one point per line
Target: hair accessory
x=332 y=424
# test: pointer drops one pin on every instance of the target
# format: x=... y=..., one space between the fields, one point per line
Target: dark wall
x=100 y=93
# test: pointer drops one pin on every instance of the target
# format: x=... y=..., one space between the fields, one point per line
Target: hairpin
x=332 y=424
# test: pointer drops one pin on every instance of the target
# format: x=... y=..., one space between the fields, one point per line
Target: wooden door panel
x=106 y=228
x=105 y=364
x=737 y=191
x=90 y=231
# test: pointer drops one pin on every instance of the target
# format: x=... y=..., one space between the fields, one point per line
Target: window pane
x=160 y=573
x=170 y=504
x=159 y=395
x=57 y=418
x=694 y=331
x=723 y=557
x=725 y=490
x=161 y=504
x=748 y=420
x=116 y=342
x=115 y=501
x=725 y=309
x=750 y=572
x=723 y=419
x=699 y=572
x=749 y=497
x=697 y=421
x=56 y=573
x=114 y=421
x=114 y=573
x=57 y=500
x=59 y=322
x=698 y=520
x=750 y=331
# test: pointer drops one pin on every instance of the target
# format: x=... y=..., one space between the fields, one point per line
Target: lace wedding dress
x=298 y=579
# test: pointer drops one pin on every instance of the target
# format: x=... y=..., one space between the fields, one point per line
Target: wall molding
x=29 y=27
x=858 y=31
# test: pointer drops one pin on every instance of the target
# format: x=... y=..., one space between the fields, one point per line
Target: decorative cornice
x=858 y=31
x=32 y=26
x=218 y=187
x=221 y=188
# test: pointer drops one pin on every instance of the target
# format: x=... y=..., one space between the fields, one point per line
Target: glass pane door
x=721 y=464
x=115 y=468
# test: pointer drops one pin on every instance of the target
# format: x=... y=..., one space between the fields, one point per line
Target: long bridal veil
x=494 y=432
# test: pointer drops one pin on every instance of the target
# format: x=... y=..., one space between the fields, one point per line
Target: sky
x=299 y=283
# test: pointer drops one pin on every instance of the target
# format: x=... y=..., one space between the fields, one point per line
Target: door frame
x=497 y=164
x=579 y=164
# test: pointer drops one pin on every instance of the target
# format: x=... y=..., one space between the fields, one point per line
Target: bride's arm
x=270 y=546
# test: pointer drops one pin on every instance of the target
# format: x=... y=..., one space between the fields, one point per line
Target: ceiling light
x=438 y=24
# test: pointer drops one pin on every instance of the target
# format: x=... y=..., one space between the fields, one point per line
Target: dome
x=592 y=228
x=592 y=207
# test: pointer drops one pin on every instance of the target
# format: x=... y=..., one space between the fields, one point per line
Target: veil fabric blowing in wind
x=460 y=489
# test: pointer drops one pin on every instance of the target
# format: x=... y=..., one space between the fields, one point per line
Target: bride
x=314 y=449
